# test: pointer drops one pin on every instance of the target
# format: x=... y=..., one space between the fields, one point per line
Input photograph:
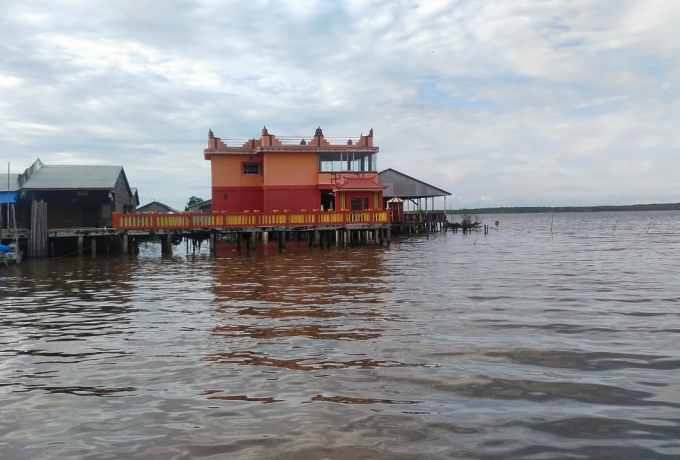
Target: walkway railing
x=430 y=216
x=219 y=220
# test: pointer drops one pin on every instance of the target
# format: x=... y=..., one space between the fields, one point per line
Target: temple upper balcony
x=362 y=147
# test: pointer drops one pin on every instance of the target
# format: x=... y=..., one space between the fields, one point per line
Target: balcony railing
x=430 y=216
x=218 y=220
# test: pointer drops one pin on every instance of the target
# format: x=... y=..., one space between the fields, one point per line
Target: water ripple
x=518 y=344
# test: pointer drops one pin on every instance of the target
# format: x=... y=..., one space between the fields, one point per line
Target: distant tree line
x=544 y=209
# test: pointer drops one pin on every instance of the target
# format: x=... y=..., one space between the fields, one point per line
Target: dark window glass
x=251 y=168
x=358 y=204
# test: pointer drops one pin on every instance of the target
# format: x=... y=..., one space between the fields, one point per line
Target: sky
x=501 y=103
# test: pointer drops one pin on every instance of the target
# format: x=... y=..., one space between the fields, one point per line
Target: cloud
x=501 y=103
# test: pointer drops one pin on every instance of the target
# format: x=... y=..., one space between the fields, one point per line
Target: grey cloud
x=550 y=103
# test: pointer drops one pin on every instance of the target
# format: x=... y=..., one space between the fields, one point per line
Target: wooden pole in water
x=445 y=216
x=551 y=222
x=8 y=185
x=94 y=248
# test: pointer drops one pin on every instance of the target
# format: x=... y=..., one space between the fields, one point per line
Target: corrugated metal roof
x=404 y=186
x=156 y=206
x=84 y=177
x=13 y=183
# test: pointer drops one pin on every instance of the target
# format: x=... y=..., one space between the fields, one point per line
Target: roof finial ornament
x=210 y=134
x=318 y=132
x=370 y=133
x=264 y=131
x=303 y=142
x=349 y=141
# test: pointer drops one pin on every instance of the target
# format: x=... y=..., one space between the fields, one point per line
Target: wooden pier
x=245 y=230
x=318 y=228
x=420 y=222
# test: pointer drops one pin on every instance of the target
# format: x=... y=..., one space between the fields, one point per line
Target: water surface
x=551 y=337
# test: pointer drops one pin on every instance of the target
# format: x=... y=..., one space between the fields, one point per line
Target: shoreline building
x=285 y=175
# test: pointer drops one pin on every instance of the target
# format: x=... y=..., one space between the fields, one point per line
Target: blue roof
x=13 y=197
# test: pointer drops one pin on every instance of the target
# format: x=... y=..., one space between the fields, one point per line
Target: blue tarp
x=13 y=197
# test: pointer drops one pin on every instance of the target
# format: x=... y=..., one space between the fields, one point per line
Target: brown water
x=519 y=344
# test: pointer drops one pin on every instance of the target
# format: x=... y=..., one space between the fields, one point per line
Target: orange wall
x=227 y=171
x=291 y=168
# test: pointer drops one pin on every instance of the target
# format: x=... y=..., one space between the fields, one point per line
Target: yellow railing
x=243 y=219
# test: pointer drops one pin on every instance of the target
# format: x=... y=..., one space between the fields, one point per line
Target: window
x=250 y=168
x=347 y=161
x=358 y=204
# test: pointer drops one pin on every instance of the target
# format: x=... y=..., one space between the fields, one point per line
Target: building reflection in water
x=292 y=310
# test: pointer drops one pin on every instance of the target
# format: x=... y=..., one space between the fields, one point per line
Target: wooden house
x=77 y=196
x=203 y=206
x=285 y=175
x=157 y=207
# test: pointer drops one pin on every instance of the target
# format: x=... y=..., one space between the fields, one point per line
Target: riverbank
x=546 y=209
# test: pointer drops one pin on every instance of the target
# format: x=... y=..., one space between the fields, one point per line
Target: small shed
x=203 y=206
x=395 y=206
x=158 y=207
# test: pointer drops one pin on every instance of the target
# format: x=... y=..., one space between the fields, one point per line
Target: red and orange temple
x=270 y=175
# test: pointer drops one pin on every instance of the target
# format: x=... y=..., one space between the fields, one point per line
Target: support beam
x=166 y=244
x=282 y=240
x=94 y=248
x=80 y=246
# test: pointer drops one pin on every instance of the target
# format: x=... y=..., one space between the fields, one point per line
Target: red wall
x=370 y=195
x=292 y=198
x=239 y=199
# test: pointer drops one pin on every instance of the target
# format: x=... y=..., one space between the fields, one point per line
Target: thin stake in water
x=650 y=224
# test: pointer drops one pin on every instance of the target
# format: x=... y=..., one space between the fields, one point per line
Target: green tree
x=192 y=201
